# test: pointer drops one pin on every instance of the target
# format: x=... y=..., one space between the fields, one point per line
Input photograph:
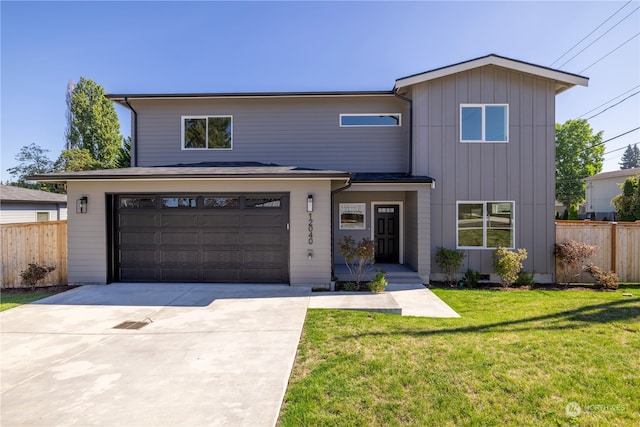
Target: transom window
x=376 y=119
x=484 y=123
x=207 y=133
x=485 y=225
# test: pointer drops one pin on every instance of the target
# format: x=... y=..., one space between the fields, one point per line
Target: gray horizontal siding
x=289 y=131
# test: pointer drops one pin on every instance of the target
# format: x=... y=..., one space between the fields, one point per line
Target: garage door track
x=150 y=355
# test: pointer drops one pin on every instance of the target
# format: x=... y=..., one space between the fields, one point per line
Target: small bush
x=358 y=256
x=450 y=261
x=572 y=255
x=603 y=280
x=471 y=278
x=378 y=283
x=508 y=264
x=34 y=273
x=350 y=287
x=526 y=278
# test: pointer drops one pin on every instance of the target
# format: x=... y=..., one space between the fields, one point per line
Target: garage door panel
x=138 y=219
x=230 y=275
x=179 y=220
x=180 y=238
x=221 y=219
x=139 y=238
x=218 y=256
x=221 y=238
x=204 y=240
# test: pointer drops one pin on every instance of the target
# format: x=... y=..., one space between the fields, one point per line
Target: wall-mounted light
x=81 y=204
x=309 y=254
x=310 y=203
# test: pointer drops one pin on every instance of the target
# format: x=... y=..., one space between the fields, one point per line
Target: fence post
x=614 y=245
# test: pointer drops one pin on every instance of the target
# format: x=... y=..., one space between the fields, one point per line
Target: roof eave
x=563 y=79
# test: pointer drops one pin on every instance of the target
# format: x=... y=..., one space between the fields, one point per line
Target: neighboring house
x=260 y=187
x=603 y=187
x=19 y=204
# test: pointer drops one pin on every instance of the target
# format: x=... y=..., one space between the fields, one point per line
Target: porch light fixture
x=310 y=203
x=81 y=204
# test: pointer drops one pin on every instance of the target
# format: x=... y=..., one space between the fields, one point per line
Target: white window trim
x=484 y=222
x=400 y=225
x=483 y=140
x=183 y=148
x=370 y=114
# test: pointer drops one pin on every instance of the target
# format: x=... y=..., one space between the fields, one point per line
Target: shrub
x=378 y=283
x=359 y=257
x=526 y=278
x=34 y=273
x=603 y=280
x=350 y=287
x=471 y=278
x=508 y=264
x=573 y=213
x=449 y=261
x=572 y=255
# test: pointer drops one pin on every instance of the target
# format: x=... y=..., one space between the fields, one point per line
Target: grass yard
x=8 y=301
x=514 y=358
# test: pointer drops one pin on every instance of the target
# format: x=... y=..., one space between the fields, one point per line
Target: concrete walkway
x=404 y=299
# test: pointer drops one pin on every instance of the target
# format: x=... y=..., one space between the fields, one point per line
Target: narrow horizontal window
x=137 y=202
x=179 y=202
x=484 y=123
x=207 y=133
x=42 y=216
x=485 y=225
x=382 y=119
x=220 y=202
x=267 y=202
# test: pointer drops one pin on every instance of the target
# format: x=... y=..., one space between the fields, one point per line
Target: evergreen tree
x=631 y=157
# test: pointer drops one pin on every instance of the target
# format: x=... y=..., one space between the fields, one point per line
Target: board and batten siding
x=87 y=240
x=297 y=131
x=521 y=170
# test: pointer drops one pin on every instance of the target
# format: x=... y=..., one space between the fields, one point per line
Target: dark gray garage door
x=224 y=238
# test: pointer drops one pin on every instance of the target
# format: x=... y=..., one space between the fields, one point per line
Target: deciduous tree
x=579 y=154
x=33 y=160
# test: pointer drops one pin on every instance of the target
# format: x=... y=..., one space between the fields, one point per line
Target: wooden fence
x=618 y=245
x=33 y=242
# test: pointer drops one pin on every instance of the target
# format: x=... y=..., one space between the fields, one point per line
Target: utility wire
x=618 y=149
x=610 y=52
x=605 y=103
x=615 y=137
x=601 y=36
x=610 y=107
x=585 y=37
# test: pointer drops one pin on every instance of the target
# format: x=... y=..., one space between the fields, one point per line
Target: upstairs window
x=207 y=133
x=484 y=123
x=376 y=119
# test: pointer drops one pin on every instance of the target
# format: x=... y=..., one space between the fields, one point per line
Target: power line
x=610 y=107
x=601 y=36
x=585 y=37
x=615 y=137
x=612 y=99
x=618 y=149
x=610 y=52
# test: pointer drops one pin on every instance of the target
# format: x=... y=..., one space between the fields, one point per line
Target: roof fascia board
x=568 y=78
x=121 y=97
x=189 y=178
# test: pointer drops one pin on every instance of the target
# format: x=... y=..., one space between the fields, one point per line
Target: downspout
x=410 y=101
x=333 y=193
x=134 y=143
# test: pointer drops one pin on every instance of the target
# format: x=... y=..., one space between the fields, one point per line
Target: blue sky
x=170 y=47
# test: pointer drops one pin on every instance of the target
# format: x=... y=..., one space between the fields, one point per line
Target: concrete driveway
x=206 y=355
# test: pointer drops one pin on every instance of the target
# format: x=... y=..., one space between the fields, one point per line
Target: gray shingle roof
x=19 y=194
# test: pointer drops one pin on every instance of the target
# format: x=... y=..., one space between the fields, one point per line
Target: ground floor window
x=42 y=216
x=484 y=225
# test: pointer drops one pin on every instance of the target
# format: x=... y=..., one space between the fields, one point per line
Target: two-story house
x=260 y=187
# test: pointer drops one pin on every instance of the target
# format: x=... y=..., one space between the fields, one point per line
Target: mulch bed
x=38 y=290
x=537 y=286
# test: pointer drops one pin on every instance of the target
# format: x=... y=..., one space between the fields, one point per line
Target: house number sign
x=310 y=229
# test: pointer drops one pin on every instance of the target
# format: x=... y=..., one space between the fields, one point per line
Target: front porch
x=395 y=273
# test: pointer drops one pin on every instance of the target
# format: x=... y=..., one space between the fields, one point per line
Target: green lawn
x=10 y=301
x=514 y=358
